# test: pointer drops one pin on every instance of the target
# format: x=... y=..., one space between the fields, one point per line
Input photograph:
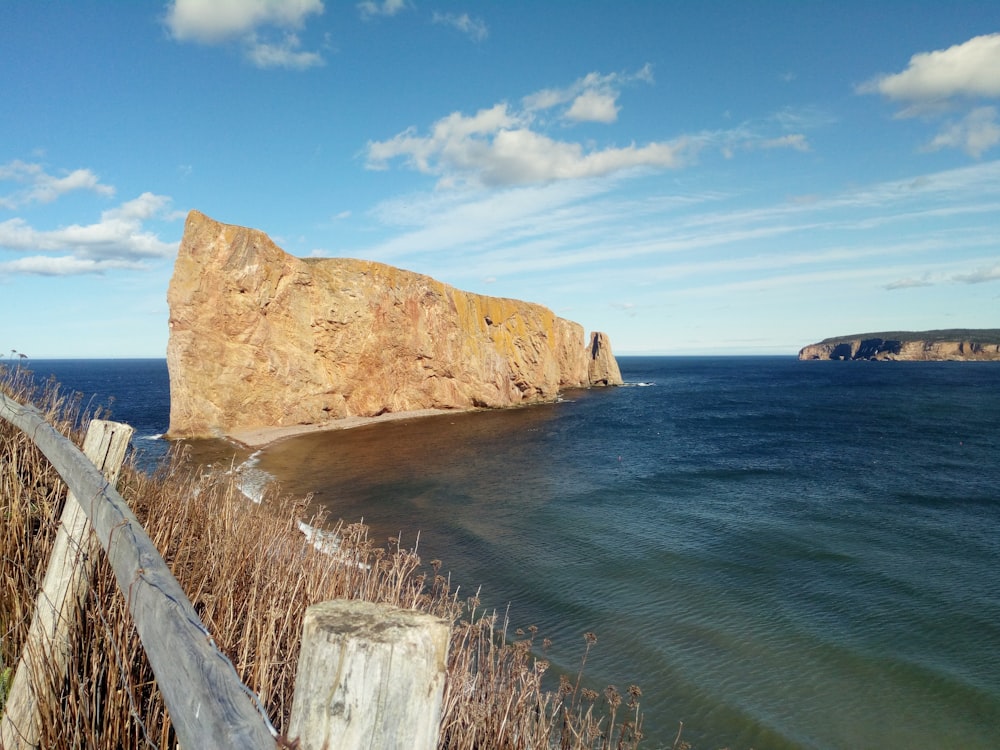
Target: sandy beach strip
x=260 y=437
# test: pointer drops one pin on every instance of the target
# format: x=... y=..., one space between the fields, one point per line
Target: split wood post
x=370 y=677
x=46 y=652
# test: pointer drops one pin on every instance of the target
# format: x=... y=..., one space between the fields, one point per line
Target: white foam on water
x=328 y=542
x=322 y=539
x=250 y=480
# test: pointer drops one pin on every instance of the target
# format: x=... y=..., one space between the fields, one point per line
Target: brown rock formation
x=603 y=369
x=930 y=349
x=259 y=338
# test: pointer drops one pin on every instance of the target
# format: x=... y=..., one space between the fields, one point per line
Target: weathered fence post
x=369 y=676
x=208 y=703
x=46 y=652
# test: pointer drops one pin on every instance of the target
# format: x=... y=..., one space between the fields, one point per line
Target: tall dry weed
x=250 y=574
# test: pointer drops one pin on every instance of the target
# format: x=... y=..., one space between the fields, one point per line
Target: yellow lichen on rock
x=259 y=338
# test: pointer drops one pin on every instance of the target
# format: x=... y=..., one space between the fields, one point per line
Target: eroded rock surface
x=260 y=338
x=915 y=350
x=603 y=368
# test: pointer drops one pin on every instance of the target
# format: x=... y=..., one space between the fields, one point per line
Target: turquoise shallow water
x=782 y=554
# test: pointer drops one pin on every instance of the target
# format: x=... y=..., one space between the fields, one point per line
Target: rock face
x=259 y=338
x=603 y=367
x=913 y=350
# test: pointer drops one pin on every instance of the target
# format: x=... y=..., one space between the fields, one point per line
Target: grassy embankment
x=251 y=574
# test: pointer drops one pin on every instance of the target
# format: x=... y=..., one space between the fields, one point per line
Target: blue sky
x=690 y=177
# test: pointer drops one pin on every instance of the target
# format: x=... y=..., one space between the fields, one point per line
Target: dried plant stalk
x=251 y=574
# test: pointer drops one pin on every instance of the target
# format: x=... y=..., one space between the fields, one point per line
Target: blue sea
x=781 y=554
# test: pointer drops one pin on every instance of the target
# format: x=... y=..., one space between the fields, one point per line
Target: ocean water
x=782 y=554
x=136 y=391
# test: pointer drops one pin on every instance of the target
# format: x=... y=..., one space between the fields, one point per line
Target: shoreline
x=261 y=437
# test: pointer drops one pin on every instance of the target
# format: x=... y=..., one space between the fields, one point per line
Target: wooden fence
x=370 y=676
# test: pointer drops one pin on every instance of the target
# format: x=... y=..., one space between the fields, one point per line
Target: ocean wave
x=250 y=480
x=322 y=539
x=328 y=542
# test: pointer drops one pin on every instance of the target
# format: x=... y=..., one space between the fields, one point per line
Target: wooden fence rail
x=371 y=677
x=46 y=652
x=208 y=704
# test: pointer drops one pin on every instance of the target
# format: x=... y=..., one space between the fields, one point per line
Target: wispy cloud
x=67 y=265
x=590 y=98
x=285 y=52
x=370 y=9
x=938 y=82
x=910 y=283
x=474 y=28
x=265 y=30
x=945 y=273
x=503 y=146
x=980 y=275
x=42 y=187
x=575 y=227
x=796 y=141
x=976 y=133
x=118 y=240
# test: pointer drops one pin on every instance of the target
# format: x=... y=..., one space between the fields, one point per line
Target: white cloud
x=748 y=137
x=45 y=188
x=980 y=276
x=474 y=28
x=943 y=80
x=282 y=54
x=212 y=21
x=976 y=133
x=910 y=283
x=594 y=93
x=118 y=240
x=459 y=150
x=449 y=137
x=243 y=21
x=969 y=69
x=501 y=146
x=67 y=265
x=146 y=206
x=370 y=9
x=577 y=228
x=593 y=106
x=796 y=141
x=457 y=220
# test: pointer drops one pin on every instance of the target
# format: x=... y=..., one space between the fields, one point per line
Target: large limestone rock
x=603 y=368
x=259 y=338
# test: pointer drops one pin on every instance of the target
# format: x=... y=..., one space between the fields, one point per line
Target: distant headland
x=952 y=344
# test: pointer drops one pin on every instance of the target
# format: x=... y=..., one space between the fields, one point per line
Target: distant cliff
x=915 y=346
x=259 y=338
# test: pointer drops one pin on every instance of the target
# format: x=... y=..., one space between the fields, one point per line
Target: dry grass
x=250 y=574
